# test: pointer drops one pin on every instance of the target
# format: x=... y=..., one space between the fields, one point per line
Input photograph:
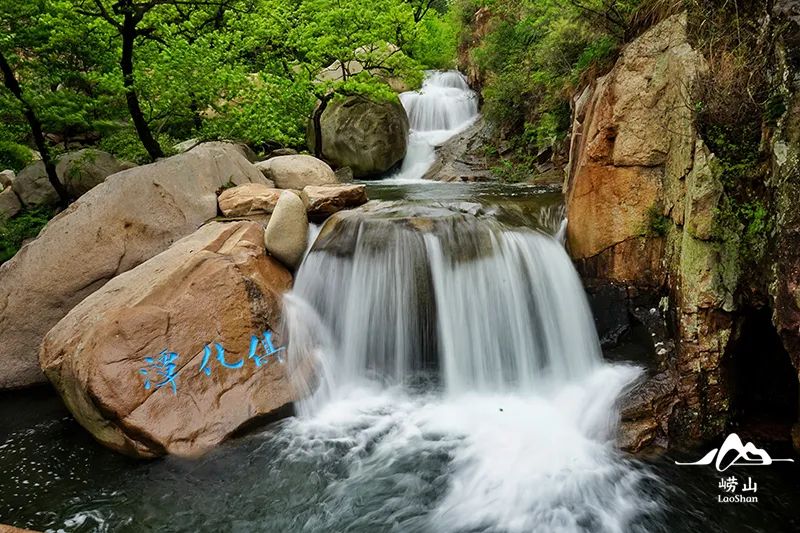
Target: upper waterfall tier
x=442 y=108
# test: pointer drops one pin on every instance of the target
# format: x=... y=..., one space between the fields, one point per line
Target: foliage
x=16 y=230
x=657 y=223
x=534 y=54
x=14 y=156
x=238 y=69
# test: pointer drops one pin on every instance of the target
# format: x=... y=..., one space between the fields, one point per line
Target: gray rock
x=286 y=236
x=9 y=204
x=85 y=169
x=369 y=137
x=7 y=178
x=344 y=175
x=33 y=187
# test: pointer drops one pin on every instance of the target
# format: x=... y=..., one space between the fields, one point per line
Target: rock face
x=214 y=288
x=641 y=201
x=82 y=170
x=9 y=204
x=323 y=201
x=369 y=137
x=286 y=235
x=250 y=199
x=116 y=226
x=297 y=171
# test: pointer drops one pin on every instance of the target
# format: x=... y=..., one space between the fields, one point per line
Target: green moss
x=657 y=223
x=14 y=231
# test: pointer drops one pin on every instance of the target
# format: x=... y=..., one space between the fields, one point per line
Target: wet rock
x=369 y=137
x=286 y=235
x=248 y=200
x=9 y=204
x=297 y=171
x=124 y=221
x=323 y=201
x=462 y=158
x=214 y=286
x=82 y=170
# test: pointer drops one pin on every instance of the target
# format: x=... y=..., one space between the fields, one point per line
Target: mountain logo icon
x=734 y=453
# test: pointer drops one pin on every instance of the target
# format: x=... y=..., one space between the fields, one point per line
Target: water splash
x=459 y=380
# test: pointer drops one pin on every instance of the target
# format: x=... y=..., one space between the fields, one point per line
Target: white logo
x=745 y=455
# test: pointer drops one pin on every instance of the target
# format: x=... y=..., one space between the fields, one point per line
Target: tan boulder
x=324 y=200
x=248 y=200
x=286 y=235
x=297 y=171
x=215 y=288
x=132 y=216
x=9 y=204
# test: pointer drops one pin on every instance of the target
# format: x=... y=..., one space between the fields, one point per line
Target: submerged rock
x=132 y=216
x=297 y=171
x=286 y=235
x=323 y=201
x=369 y=137
x=215 y=288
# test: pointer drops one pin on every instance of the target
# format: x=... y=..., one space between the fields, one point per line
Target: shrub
x=14 y=156
x=14 y=231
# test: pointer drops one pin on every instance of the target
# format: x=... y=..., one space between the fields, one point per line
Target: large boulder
x=286 y=235
x=323 y=201
x=369 y=137
x=297 y=171
x=213 y=290
x=33 y=188
x=9 y=204
x=132 y=216
x=250 y=199
x=78 y=171
x=82 y=170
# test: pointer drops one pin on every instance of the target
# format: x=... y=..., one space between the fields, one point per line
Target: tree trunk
x=134 y=108
x=13 y=86
x=317 y=121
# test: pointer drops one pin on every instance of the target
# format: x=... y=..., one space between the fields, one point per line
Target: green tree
x=153 y=21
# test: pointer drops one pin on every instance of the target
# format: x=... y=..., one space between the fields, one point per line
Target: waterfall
x=451 y=351
x=442 y=108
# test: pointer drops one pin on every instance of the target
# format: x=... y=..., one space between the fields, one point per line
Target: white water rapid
x=460 y=381
x=442 y=108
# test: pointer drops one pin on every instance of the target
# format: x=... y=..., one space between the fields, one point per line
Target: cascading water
x=458 y=376
x=442 y=108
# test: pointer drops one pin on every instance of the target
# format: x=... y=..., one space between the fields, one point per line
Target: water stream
x=442 y=108
x=459 y=386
